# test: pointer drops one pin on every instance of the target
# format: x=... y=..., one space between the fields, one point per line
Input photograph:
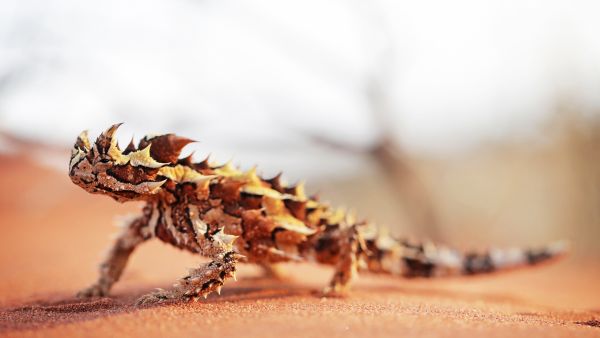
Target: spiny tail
x=386 y=255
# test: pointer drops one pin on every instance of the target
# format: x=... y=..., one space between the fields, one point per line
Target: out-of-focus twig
x=412 y=193
x=413 y=196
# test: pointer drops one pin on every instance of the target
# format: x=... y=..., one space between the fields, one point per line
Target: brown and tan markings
x=231 y=216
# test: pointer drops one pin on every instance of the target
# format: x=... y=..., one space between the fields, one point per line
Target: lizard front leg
x=209 y=277
x=113 y=265
x=199 y=282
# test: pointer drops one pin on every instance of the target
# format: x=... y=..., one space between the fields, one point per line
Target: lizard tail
x=427 y=260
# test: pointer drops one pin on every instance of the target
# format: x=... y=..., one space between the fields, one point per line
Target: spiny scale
x=230 y=215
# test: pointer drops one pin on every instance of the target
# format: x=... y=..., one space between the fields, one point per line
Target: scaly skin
x=230 y=216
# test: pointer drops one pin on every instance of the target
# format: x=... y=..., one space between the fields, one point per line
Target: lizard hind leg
x=346 y=267
x=273 y=271
x=199 y=282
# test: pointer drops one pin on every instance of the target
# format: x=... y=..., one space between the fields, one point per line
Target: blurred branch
x=579 y=140
x=412 y=195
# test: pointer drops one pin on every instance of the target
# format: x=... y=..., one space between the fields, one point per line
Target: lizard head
x=125 y=175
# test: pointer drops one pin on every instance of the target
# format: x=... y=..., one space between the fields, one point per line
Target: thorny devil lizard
x=231 y=216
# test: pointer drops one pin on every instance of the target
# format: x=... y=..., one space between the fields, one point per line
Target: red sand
x=53 y=234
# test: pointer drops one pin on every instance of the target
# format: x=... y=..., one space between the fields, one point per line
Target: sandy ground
x=53 y=234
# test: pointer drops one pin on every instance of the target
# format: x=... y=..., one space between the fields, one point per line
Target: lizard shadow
x=63 y=309
x=53 y=310
x=435 y=292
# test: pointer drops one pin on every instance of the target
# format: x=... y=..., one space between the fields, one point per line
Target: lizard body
x=232 y=216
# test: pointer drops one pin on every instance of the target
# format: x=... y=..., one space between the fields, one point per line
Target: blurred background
x=474 y=123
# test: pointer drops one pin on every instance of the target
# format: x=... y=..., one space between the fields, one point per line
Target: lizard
x=232 y=216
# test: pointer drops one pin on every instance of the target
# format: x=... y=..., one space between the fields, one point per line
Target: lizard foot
x=95 y=290
x=275 y=272
x=334 y=292
x=153 y=298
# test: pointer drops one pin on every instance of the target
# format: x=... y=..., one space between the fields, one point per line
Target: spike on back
x=143 y=158
x=276 y=183
x=166 y=148
x=297 y=190
x=130 y=147
x=202 y=165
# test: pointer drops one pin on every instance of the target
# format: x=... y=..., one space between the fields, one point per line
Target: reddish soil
x=53 y=234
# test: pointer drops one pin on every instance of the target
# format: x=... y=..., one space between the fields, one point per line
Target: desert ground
x=53 y=235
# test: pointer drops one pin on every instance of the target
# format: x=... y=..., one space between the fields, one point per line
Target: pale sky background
x=251 y=79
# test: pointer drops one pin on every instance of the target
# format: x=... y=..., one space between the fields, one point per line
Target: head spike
x=115 y=153
x=106 y=140
x=110 y=132
x=83 y=141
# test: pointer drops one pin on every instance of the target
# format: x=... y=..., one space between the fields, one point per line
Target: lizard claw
x=95 y=290
x=333 y=292
x=154 y=298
